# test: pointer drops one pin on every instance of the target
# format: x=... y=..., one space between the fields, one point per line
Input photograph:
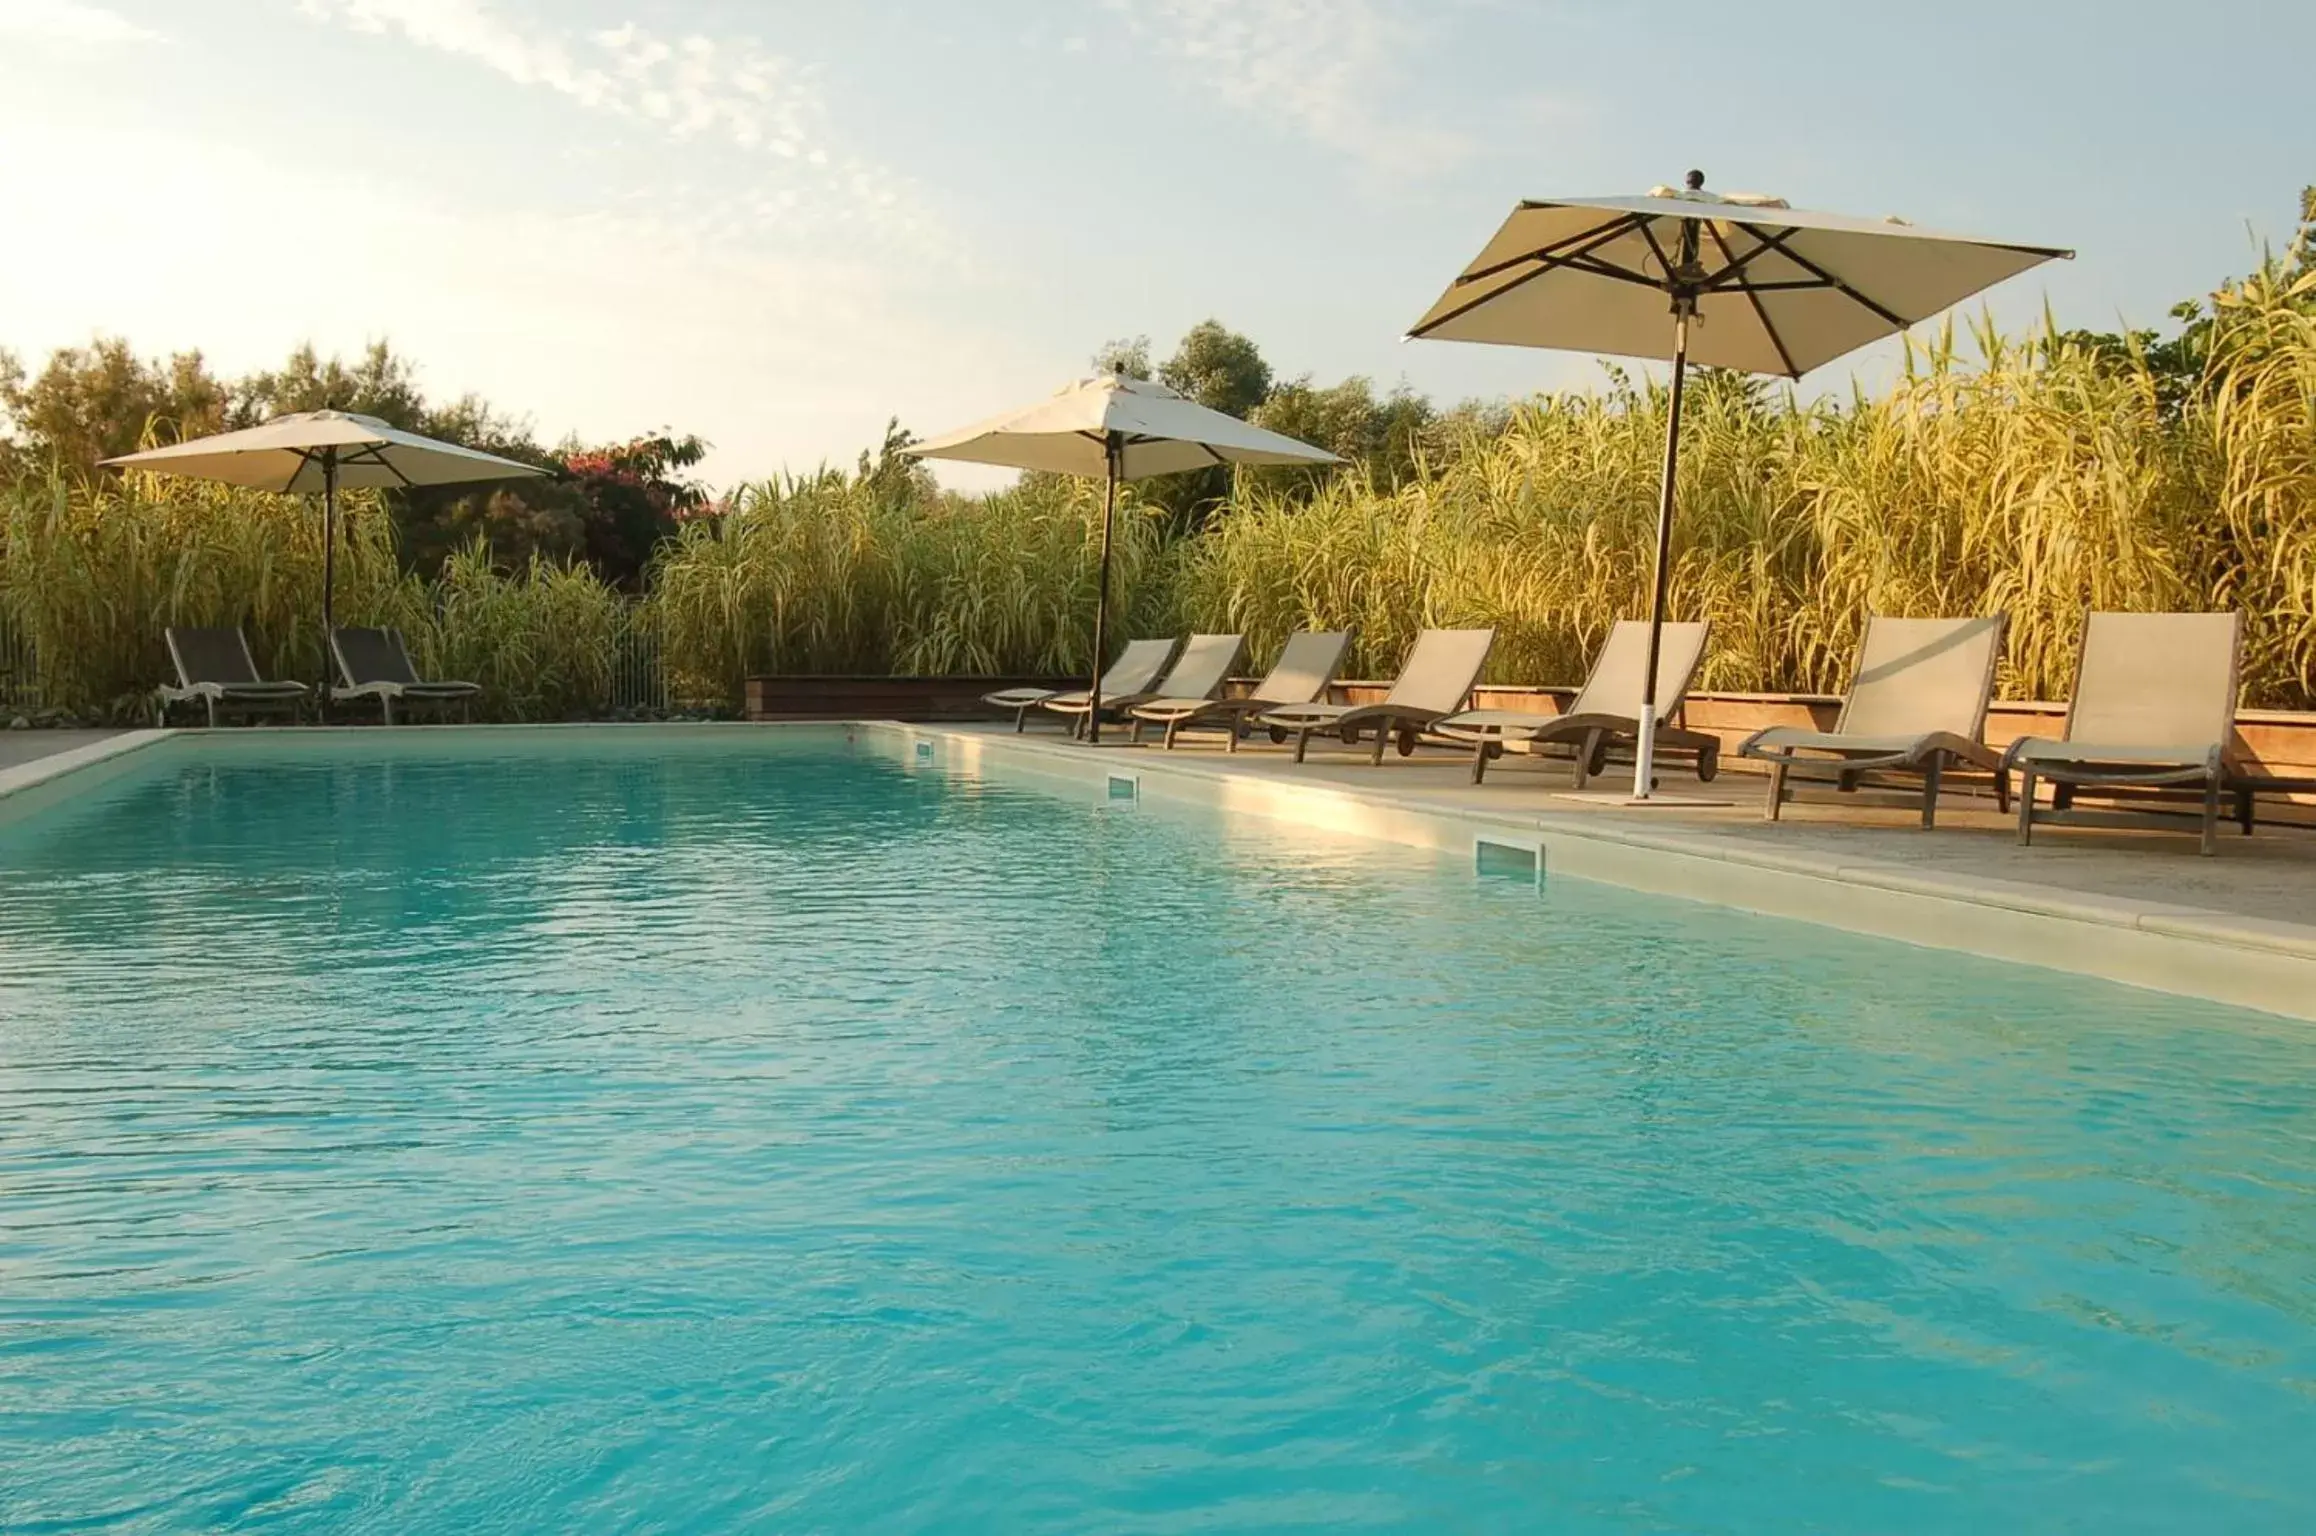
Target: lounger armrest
x=1016 y=698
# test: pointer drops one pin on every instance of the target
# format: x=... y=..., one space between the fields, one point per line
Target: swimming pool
x=465 y=1131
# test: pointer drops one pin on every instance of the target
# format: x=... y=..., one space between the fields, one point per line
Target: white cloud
x=70 y=23
x=726 y=93
x=1326 y=69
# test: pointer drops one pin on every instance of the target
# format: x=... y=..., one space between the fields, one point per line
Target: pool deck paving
x=21 y=748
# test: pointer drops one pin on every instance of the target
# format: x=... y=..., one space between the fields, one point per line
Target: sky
x=778 y=225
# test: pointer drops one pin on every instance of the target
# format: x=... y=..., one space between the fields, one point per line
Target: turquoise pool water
x=734 y=1131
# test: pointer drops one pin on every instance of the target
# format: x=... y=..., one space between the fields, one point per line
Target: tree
x=99 y=401
x=1126 y=356
x=1385 y=435
x=1219 y=369
x=892 y=475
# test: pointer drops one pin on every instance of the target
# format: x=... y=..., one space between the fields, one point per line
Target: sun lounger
x=1199 y=672
x=1131 y=675
x=375 y=664
x=216 y=670
x=1305 y=667
x=1607 y=710
x=2154 y=708
x=1437 y=680
x=1917 y=706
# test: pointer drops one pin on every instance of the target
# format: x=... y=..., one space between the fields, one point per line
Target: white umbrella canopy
x=1738 y=281
x=1777 y=290
x=1159 y=431
x=299 y=453
x=314 y=452
x=1120 y=429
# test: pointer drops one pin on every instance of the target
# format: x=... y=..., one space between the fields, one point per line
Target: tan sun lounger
x=1437 y=680
x=375 y=664
x=2154 y=708
x=216 y=670
x=1306 y=665
x=1607 y=710
x=1916 y=706
x=1136 y=668
x=1199 y=672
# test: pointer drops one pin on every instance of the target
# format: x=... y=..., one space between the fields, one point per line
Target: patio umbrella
x=1121 y=429
x=1745 y=282
x=323 y=451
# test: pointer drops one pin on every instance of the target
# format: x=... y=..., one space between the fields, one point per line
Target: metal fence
x=638 y=673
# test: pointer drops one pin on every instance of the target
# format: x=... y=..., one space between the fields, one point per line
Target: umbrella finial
x=1695 y=181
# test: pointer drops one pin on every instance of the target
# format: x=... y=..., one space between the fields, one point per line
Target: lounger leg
x=2211 y=812
x=1172 y=726
x=1021 y=720
x=1774 y=806
x=2001 y=790
x=2244 y=812
x=1479 y=759
x=1382 y=738
x=212 y=706
x=1587 y=752
x=386 y=707
x=1237 y=724
x=1302 y=742
x=2026 y=806
x=1930 y=775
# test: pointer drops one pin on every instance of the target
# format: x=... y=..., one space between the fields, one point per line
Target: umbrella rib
x=1588 y=238
x=1736 y=269
x=1547 y=263
x=374 y=454
x=1737 y=264
x=1831 y=281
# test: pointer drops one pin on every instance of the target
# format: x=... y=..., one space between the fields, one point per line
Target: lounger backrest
x=1441 y=669
x=1137 y=667
x=1204 y=664
x=2158 y=680
x=1615 y=685
x=211 y=656
x=1305 y=667
x=1916 y=676
x=371 y=656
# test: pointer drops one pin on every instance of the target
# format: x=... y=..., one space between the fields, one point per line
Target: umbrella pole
x=1644 y=757
x=329 y=574
x=1102 y=595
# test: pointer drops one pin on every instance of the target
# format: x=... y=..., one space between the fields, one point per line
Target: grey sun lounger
x=2154 y=708
x=216 y=670
x=1437 y=680
x=1917 y=706
x=1199 y=672
x=1306 y=665
x=1607 y=710
x=1131 y=675
x=375 y=664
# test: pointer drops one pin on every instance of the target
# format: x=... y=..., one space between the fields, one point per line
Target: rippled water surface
x=731 y=1131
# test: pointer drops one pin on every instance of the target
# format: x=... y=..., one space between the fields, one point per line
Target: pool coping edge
x=2167 y=947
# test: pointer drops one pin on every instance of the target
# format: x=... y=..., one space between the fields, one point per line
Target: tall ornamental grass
x=92 y=573
x=834 y=575
x=2038 y=481
x=2036 y=478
